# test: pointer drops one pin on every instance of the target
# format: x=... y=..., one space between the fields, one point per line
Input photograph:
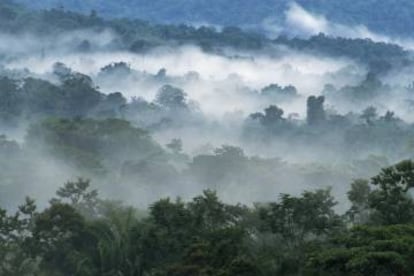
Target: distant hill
x=140 y=36
x=390 y=17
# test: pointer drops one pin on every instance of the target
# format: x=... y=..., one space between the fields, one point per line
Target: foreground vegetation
x=81 y=234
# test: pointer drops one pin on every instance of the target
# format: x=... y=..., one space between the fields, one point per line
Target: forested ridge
x=138 y=35
x=389 y=17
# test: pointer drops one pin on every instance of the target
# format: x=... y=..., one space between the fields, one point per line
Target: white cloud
x=302 y=23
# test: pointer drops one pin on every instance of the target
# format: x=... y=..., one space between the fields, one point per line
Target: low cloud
x=299 y=22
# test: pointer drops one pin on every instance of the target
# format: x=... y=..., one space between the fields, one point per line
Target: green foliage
x=82 y=234
x=15 y=232
x=392 y=202
x=79 y=195
x=62 y=240
x=93 y=144
x=171 y=97
x=367 y=250
x=359 y=197
x=386 y=200
x=118 y=241
x=33 y=99
x=296 y=224
x=203 y=236
x=295 y=218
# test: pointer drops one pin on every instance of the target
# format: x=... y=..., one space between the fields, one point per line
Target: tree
x=278 y=93
x=271 y=119
x=94 y=145
x=391 y=202
x=80 y=197
x=272 y=115
x=389 y=117
x=297 y=218
x=228 y=163
x=171 y=97
x=359 y=195
x=210 y=214
x=169 y=232
x=369 y=115
x=62 y=71
x=61 y=238
x=296 y=224
x=15 y=241
x=11 y=100
x=215 y=239
x=118 y=69
x=367 y=250
x=118 y=232
x=386 y=199
x=80 y=94
x=315 y=110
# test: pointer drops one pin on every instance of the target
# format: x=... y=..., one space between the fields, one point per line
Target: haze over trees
x=134 y=147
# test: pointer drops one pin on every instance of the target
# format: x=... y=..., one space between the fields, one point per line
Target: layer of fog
x=27 y=45
x=225 y=88
x=220 y=80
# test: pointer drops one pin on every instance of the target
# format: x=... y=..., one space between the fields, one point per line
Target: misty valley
x=145 y=141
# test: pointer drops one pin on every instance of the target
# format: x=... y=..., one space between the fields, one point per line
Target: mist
x=221 y=91
x=130 y=147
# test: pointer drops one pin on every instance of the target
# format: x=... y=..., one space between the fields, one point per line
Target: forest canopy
x=148 y=143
